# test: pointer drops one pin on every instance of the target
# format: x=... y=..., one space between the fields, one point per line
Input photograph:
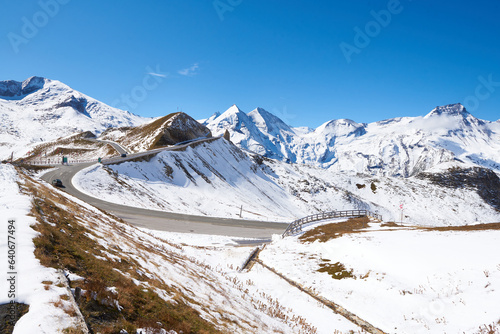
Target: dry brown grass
x=477 y=227
x=493 y=328
x=391 y=224
x=327 y=232
x=336 y=270
x=64 y=242
x=142 y=131
x=72 y=330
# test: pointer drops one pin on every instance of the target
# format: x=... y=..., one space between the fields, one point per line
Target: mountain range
x=39 y=110
x=403 y=146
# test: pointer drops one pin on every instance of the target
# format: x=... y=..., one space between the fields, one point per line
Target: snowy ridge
x=39 y=109
x=17 y=90
x=402 y=146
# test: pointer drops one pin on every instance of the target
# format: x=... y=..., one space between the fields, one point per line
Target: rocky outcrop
x=181 y=127
x=483 y=180
x=12 y=88
x=79 y=104
x=168 y=130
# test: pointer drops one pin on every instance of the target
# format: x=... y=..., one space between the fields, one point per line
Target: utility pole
x=241 y=211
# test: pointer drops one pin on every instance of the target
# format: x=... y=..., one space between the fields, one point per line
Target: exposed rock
x=31 y=85
x=227 y=135
x=168 y=130
x=10 y=313
x=12 y=88
x=88 y=135
x=79 y=104
x=483 y=180
x=181 y=127
x=450 y=109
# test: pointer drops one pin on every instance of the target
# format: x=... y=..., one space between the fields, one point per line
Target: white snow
x=418 y=281
x=43 y=317
x=407 y=281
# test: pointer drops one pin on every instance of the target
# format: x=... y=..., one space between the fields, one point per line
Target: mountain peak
x=455 y=109
x=32 y=84
x=12 y=88
x=261 y=111
x=233 y=113
x=268 y=122
x=233 y=110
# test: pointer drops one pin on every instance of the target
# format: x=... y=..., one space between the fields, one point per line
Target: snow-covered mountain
x=267 y=189
x=401 y=146
x=39 y=109
x=258 y=131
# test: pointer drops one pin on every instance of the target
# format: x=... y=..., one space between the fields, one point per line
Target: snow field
x=264 y=288
x=407 y=281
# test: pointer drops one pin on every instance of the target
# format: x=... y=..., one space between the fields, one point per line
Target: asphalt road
x=118 y=148
x=167 y=221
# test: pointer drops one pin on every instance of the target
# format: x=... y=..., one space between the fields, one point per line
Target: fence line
x=296 y=226
x=57 y=162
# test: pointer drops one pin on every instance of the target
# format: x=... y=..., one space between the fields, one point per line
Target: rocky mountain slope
x=168 y=130
x=39 y=110
x=402 y=146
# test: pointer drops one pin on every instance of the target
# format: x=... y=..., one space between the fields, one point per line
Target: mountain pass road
x=167 y=221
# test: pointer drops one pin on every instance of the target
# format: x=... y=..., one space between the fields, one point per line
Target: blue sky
x=288 y=57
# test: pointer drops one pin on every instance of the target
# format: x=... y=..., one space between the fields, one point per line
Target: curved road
x=167 y=221
x=118 y=148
